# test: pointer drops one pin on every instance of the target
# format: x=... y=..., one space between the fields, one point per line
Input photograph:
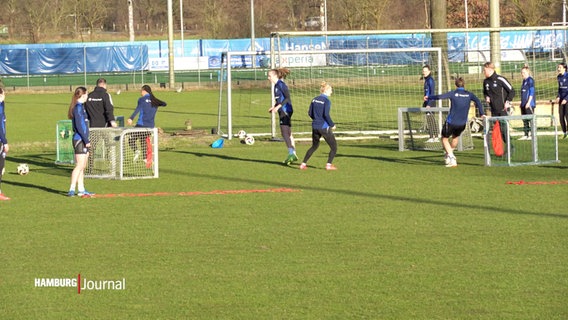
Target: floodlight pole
x=130 y=20
x=252 y=40
x=171 y=44
x=181 y=25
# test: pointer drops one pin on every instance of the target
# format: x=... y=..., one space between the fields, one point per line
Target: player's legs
x=329 y=137
x=432 y=125
x=316 y=135
x=78 y=174
x=2 y=164
x=526 y=122
x=563 y=115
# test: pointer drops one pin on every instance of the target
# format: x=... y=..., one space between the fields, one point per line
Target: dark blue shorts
x=451 y=130
x=79 y=147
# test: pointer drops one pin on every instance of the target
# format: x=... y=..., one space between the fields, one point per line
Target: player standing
x=146 y=110
x=99 y=107
x=457 y=118
x=81 y=142
x=4 y=147
x=499 y=93
x=429 y=90
x=528 y=101
x=283 y=105
x=562 y=98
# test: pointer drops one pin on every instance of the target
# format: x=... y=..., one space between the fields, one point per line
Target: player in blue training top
x=322 y=126
x=429 y=90
x=562 y=98
x=4 y=147
x=283 y=105
x=81 y=142
x=457 y=118
x=146 y=110
x=528 y=101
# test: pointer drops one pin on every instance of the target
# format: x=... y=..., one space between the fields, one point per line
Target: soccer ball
x=23 y=169
x=249 y=140
x=241 y=134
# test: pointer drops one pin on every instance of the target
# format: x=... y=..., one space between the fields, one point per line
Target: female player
x=322 y=126
x=81 y=143
x=283 y=105
x=146 y=110
x=562 y=98
x=4 y=148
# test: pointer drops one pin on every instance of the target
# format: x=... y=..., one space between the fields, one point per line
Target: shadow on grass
x=29 y=185
x=420 y=201
x=42 y=163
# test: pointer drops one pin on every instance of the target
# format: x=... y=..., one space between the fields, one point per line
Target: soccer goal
x=123 y=154
x=419 y=129
x=369 y=85
x=508 y=145
x=63 y=142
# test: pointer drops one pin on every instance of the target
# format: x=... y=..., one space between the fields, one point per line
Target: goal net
x=510 y=147
x=368 y=84
x=419 y=129
x=119 y=153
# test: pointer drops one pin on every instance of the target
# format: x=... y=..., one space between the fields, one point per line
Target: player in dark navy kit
x=146 y=110
x=81 y=142
x=4 y=147
x=562 y=97
x=528 y=100
x=457 y=118
x=429 y=90
x=322 y=126
x=283 y=105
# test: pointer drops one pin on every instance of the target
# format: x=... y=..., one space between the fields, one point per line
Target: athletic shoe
x=136 y=155
x=452 y=163
x=303 y=166
x=330 y=167
x=289 y=159
x=85 y=194
x=446 y=159
x=3 y=197
x=71 y=193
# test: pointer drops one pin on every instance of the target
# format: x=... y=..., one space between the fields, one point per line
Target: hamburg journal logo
x=81 y=284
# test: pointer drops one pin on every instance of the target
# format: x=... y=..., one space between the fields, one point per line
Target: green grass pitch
x=390 y=235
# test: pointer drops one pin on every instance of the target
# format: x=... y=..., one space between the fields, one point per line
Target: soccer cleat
x=452 y=162
x=85 y=194
x=290 y=159
x=330 y=167
x=446 y=159
x=3 y=197
x=303 y=166
x=71 y=193
x=136 y=155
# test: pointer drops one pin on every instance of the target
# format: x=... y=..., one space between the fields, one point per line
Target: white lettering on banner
x=301 y=60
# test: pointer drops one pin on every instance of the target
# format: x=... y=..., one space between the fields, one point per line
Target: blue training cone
x=218 y=143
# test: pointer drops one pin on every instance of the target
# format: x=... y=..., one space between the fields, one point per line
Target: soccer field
x=232 y=233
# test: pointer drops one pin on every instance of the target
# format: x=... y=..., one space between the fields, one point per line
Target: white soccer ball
x=23 y=169
x=249 y=140
x=241 y=134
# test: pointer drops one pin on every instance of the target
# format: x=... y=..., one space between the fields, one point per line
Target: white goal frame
x=272 y=130
x=112 y=156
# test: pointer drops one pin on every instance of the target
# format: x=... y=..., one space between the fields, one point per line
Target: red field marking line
x=522 y=182
x=193 y=193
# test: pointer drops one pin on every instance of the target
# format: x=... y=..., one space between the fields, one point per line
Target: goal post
x=123 y=154
x=369 y=85
x=420 y=128
x=540 y=148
